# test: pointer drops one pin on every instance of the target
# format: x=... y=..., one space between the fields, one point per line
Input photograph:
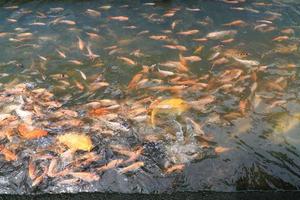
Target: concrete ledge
x=272 y=195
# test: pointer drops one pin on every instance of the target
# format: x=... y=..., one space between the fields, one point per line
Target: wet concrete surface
x=272 y=195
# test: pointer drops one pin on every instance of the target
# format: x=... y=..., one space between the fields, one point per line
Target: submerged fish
x=80 y=43
x=190 y=32
x=119 y=18
x=221 y=34
x=132 y=167
x=92 y=13
x=127 y=60
x=247 y=63
x=62 y=54
x=236 y=23
x=169 y=106
x=75 y=141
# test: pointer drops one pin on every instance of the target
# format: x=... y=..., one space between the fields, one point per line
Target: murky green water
x=183 y=95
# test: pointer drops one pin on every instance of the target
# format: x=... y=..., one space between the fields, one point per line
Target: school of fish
x=120 y=98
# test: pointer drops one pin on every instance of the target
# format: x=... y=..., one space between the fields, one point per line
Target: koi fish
x=131 y=167
x=177 y=47
x=247 y=63
x=68 y=22
x=85 y=176
x=119 y=18
x=158 y=37
x=178 y=167
x=236 y=23
x=112 y=164
x=62 y=54
x=221 y=34
x=190 y=32
x=90 y=54
x=26 y=133
x=75 y=141
x=8 y=155
x=280 y=38
x=92 y=13
x=169 y=106
x=127 y=60
x=80 y=43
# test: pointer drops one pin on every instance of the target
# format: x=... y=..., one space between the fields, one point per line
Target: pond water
x=149 y=97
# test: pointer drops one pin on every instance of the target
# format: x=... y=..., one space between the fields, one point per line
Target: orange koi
x=190 y=32
x=8 y=155
x=99 y=112
x=178 y=167
x=85 y=176
x=127 y=60
x=236 y=23
x=131 y=167
x=220 y=149
x=134 y=81
x=112 y=164
x=31 y=134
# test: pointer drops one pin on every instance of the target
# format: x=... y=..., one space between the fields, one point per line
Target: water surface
x=100 y=69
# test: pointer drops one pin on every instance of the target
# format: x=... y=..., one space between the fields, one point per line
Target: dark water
x=239 y=132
